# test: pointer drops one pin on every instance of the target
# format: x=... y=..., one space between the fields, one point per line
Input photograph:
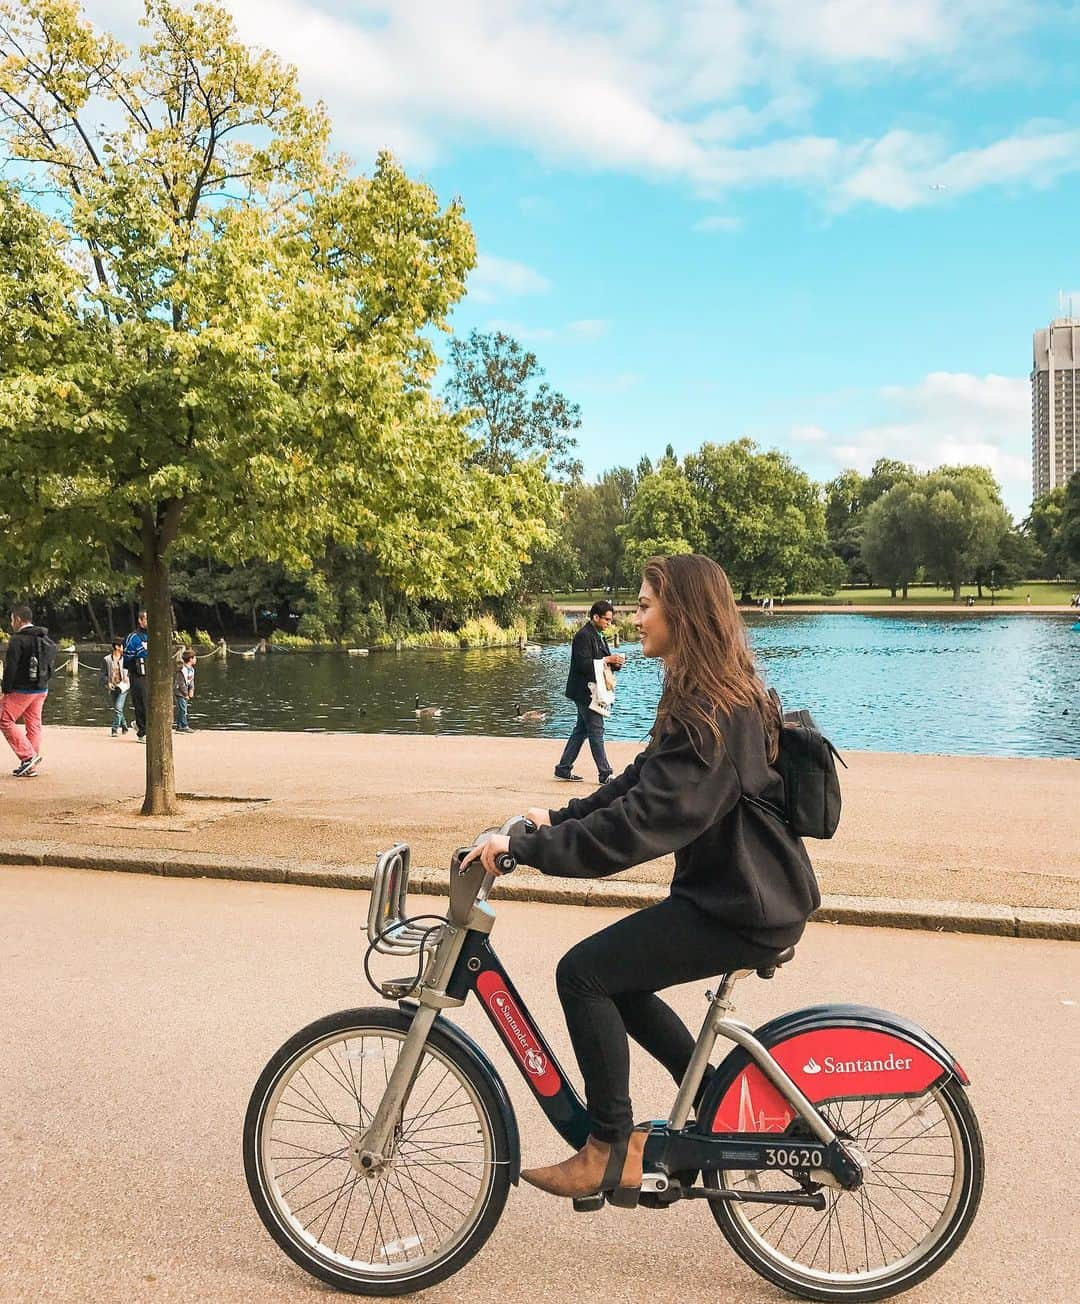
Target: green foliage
x=892 y=536
x=1070 y=526
x=762 y=519
x=963 y=523
x=296 y=642
x=663 y=519
x=545 y=622
x=627 y=630
x=221 y=338
x=1043 y=527
x=492 y=386
x=484 y=631
x=594 y=513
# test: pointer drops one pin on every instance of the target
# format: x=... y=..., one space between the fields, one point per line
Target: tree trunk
x=956 y=591
x=160 y=798
x=892 y=590
x=903 y=592
x=217 y=617
x=98 y=631
x=978 y=585
x=112 y=626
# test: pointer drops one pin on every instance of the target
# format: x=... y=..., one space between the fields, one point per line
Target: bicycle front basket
x=387 y=930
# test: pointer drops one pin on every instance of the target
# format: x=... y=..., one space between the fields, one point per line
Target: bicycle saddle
x=767 y=970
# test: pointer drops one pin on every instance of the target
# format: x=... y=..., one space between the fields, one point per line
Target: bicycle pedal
x=588 y=1203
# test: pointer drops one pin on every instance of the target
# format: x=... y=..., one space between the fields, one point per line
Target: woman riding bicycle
x=743 y=886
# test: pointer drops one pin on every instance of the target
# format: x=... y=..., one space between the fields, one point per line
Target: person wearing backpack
x=743 y=886
x=28 y=667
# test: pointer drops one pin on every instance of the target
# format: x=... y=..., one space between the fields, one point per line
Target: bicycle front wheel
x=434 y=1205
x=923 y=1177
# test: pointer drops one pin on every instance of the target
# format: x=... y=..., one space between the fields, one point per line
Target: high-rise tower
x=1055 y=404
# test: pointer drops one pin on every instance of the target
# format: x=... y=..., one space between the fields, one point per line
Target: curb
x=879 y=912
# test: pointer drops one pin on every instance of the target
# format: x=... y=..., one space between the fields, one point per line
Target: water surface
x=1005 y=686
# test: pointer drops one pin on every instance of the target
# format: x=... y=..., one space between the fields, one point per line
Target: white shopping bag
x=602 y=689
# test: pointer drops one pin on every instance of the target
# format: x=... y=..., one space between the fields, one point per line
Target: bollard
x=71 y=665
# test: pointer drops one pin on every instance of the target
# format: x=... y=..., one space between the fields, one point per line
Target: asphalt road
x=136 y=1013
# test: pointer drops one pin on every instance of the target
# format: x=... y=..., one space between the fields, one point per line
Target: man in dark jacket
x=136 y=647
x=28 y=666
x=589 y=646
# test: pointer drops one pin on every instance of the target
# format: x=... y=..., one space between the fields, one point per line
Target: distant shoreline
x=868 y=609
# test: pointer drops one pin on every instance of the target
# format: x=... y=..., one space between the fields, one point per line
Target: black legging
x=607 y=986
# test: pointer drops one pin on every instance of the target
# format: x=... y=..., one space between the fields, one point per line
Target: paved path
x=137 y=1013
x=955 y=828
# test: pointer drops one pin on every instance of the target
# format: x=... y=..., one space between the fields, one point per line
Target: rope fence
x=219 y=651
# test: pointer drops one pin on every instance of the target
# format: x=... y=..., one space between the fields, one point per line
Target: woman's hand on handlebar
x=489 y=853
x=540 y=816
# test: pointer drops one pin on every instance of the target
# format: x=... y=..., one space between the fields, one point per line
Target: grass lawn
x=1042 y=593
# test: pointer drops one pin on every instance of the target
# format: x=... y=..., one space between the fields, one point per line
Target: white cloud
x=905 y=170
x=809 y=434
x=716 y=93
x=497 y=278
x=951 y=419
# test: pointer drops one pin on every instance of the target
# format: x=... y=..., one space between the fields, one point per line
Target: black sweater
x=589 y=645
x=736 y=862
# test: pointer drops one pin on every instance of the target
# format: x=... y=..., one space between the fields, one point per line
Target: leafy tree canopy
x=493 y=384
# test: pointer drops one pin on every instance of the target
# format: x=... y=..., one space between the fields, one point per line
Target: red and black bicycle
x=835 y=1146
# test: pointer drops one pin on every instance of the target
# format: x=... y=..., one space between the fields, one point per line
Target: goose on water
x=426 y=712
x=529 y=717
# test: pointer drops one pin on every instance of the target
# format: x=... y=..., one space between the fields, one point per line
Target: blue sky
x=826 y=224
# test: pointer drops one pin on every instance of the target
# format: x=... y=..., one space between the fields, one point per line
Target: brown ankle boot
x=613 y=1167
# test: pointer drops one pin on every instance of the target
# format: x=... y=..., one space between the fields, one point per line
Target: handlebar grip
x=506 y=863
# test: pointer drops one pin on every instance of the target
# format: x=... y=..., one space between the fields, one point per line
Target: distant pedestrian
x=136 y=649
x=589 y=646
x=117 y=681
x=184 y=690
x=28 y=667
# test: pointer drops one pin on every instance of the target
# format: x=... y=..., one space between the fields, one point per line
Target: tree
x=844 y=521
x=594 y=513
x=492 y=386
x=1043 y=527
x=963 y=523
x=893 y=535
x=1070 y=526
x=762 y=519
x=214 y=335
x=663 y=520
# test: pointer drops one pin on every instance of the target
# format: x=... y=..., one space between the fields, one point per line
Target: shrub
x=549 y=625
x=309 y=627
x=202 y=637
x=627 y=630
x=485 y=631
x=297 y=642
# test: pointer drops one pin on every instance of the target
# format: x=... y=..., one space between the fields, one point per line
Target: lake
x=1001 y=686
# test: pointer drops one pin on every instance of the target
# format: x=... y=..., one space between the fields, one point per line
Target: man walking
x=28 y=667
x=135 y=651
x=588 y=647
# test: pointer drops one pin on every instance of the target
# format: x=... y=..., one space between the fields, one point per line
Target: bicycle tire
x=963 y=1197
x=279 y=1218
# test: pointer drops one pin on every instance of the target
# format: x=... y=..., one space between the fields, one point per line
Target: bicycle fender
x=466 y=1043
x=831 y=1052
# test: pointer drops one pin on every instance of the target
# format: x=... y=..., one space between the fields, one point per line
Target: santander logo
x=891 y=1063
x=516 y=1031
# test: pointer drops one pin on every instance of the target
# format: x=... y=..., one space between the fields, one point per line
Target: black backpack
x=44 y=652
x=807 y=764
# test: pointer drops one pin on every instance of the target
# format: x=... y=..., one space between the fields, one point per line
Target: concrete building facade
x=1055 y=404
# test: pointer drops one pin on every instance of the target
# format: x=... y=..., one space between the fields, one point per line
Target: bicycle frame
x=464 y=962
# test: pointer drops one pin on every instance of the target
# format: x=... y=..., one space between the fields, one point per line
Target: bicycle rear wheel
x=920 y=1193
x=430 y=1210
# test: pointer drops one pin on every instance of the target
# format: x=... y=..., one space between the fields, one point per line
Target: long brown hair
x=710 y=669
